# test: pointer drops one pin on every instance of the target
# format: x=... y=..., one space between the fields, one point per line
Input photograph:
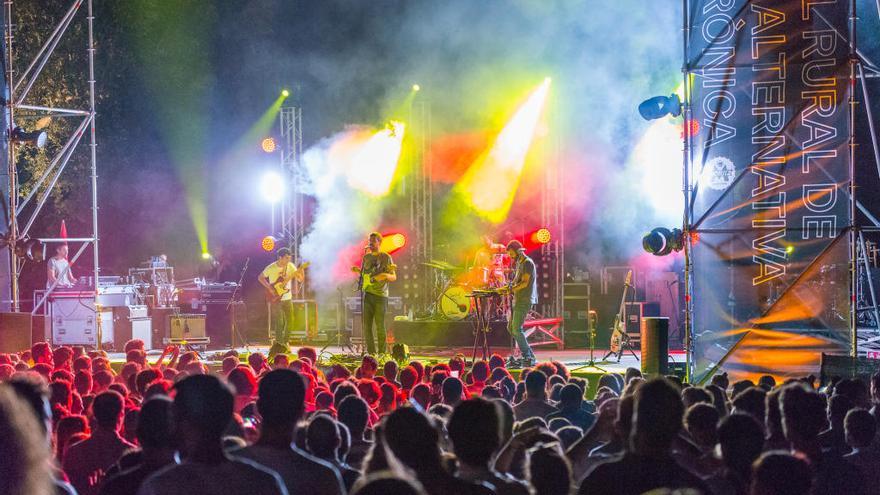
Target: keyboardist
x=58 y=268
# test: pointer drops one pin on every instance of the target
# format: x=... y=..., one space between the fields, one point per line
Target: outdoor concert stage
x=574 y=359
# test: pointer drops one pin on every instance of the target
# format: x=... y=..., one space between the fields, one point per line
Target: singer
x=376 y=270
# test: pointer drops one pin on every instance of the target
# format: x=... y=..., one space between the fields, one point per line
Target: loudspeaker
x=16 y=332
x=131 y=322
x=574 y=315
x=161 y=325
x=218 y=323
x=655 y=345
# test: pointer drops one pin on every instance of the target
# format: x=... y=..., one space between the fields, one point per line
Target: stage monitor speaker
x=131 y=322
x=655 y=345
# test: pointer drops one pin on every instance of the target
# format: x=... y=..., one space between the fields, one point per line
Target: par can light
x=662 y=241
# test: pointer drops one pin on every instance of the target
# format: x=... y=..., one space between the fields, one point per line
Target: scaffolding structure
x=421 y=213
x=23 y=212
x=293 y=218
x=861 y=275
x=551 y=274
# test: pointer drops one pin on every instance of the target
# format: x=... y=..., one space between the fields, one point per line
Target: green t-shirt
x=374 y=264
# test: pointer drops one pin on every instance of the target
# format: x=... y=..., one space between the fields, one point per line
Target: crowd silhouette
x=72 y=423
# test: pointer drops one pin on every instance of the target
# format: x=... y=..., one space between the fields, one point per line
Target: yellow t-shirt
x=274 y=273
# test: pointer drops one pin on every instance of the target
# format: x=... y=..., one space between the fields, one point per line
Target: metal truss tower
x=551 y=274
x=421 y=218
x=293 y=202
x=19 y=113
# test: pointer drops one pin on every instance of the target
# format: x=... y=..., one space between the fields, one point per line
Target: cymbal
x=441 y=265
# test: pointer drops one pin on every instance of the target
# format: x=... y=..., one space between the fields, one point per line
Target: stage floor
x=574 y=359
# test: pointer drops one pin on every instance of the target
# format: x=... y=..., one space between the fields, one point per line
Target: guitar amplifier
x=132 y=322
x=189 y=327
x=354 y=311
x=305 y=320
x=635 y=312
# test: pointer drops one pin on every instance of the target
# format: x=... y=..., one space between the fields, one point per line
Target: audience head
x=480 y=371
x=323 y=437
x=412 y=439
x=353 y=412
x=474 y=429
x=803 y=415
x=385 y=482
x=154 y=429
x=281 y=398
x=752 y=401
x=657 y=416
x=570 y=397
x=741 y=438
x=202 y=410
x=24 y=457
x=548 y=470
x=107 y=409
x=389 y=370
x=781 y=473
x=701 y=421
x=861 y=428
x=452 y=390
x=536 y=385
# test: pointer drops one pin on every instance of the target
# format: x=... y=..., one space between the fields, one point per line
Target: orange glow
x=268 y=145
x=268 y=244
x=392 y=243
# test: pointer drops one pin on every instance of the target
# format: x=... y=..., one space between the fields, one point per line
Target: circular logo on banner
x=719 y=173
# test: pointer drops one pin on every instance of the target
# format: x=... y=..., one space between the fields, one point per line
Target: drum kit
x=457 y=286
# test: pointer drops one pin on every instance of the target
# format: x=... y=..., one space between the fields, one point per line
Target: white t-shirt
x=273 y=272
x=233 y=477
x=61 y=269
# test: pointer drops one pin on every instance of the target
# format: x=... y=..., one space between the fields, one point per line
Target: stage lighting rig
x=660 y=106
x=31 y=249
x=36 y=138
x=268 y=243
x=662 y=241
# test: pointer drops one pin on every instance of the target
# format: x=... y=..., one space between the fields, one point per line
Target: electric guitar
x=368 y=276
x=280 y=287
x=618 y=330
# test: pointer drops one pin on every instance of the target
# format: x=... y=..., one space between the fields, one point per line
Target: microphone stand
x=230 y=307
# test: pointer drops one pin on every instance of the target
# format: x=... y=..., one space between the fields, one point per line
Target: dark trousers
x=515 y=327
x=374 y=313
x=282 y=320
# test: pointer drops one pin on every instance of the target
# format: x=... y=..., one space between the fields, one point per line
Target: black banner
x=770 y=160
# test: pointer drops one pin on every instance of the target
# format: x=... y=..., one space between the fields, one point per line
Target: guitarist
x=376 y=270
x=524 y=288
x=277 y=279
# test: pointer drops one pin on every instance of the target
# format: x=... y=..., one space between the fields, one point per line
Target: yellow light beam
x=374 y=164
x=490 y=184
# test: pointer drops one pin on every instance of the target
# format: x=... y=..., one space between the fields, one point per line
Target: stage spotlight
x=542 y=236
x=272 y=187
x=660 y=106
x=392 y=243
x=285 y=93
x=206 y=255
x=268 y=243
x=662 y=241
x=33 y=138
x=416 y=87
x=789 y=249
x=32 y=249
x=268 y=145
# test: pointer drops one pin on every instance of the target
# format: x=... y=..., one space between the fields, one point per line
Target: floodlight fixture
x=36 y=138
x=662 y=241
x=660 y=106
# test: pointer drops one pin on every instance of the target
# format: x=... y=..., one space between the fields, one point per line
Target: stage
x=574 y=359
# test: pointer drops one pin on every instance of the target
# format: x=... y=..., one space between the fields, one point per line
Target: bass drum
x=455 y=303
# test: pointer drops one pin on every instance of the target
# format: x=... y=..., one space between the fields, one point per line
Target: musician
x=376 y=271
x=58 y=268
x=278 y=279
x=524 y=288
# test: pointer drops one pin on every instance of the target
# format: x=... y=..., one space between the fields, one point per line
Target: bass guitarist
x=277 y=279
x=376 y=270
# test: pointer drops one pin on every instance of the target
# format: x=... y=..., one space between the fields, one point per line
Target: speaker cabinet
x=187 y=327
x=655 y=345
x=218 y=324
x=17 y=332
